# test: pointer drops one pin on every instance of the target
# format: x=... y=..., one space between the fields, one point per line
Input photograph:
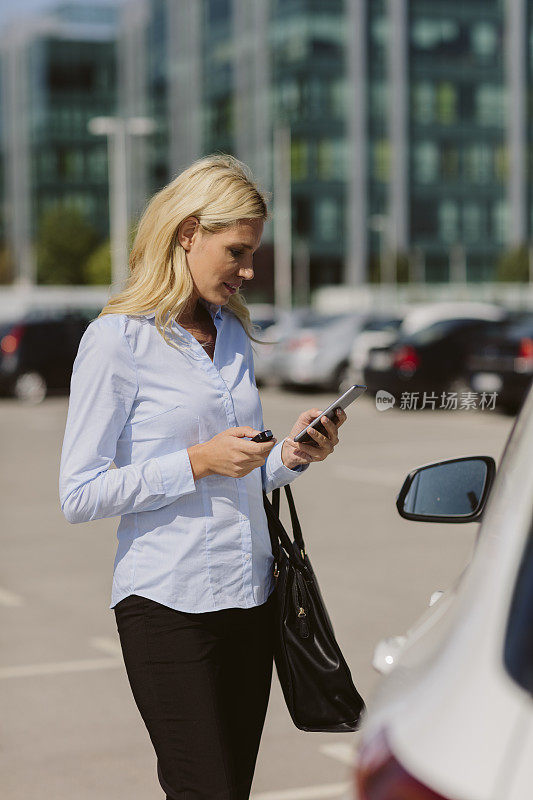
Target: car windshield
x=385 y=324
x=518 y=650
x=520 y=328
x=441 y=329
x=314 y=320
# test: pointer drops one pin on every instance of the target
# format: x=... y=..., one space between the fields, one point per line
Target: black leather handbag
x=315 y=678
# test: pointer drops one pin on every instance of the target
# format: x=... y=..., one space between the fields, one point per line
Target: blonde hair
x=218 y=190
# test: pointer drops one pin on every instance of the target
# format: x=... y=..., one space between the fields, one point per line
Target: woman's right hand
x=229 y=453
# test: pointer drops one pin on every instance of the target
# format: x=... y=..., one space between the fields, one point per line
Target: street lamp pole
x=282 y=218
x=117 y=129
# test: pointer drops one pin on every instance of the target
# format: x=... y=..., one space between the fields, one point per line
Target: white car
x=453 y=718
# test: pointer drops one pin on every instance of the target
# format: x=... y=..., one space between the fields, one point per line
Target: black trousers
x=201 y=683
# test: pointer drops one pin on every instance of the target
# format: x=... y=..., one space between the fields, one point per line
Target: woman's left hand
x=293 y=454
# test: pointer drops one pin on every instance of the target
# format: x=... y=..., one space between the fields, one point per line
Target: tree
x=514 y=265
x=64 y=243
x=7 y=267
x=97 y=268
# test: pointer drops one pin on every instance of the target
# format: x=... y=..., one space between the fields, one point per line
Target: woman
x=163 y=385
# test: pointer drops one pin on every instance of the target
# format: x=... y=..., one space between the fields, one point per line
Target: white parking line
x=340 y=751
x=59 y=667
x=109 y=646
x=8 y=598
x=305 y=793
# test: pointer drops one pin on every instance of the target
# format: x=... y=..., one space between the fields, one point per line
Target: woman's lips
x=229 y=287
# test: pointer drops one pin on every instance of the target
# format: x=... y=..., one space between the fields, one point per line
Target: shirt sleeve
x=274 y=473
x=103 y=388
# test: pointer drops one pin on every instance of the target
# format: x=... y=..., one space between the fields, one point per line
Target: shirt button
x=247 y=556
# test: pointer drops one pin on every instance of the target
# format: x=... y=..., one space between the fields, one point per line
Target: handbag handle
x=296 y=555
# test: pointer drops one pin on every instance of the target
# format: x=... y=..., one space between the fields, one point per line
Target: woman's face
x=218 y=259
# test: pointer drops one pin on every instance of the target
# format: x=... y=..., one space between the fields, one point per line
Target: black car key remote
x=264 y=436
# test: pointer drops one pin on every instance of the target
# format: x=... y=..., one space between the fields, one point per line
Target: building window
x=302 y=215
x=423 y=101
x=500 y=221
x=97 y=163
x=378 y=93
x=472 y=222
x=379 y=31
x=331 y=159
x=501 y=163
x=288 y=98
x=339 y=91
x=73 y=164
x=489 y=105
x=222 y=115
x=440 y=36
x=426 y=162
x=449 y=162
x=448 y=221
x=478 y=163
x=328 y=215
x=381 y=157
x=484 y=39
x=218 y=11
x=299 y=159
x=446 y=103
x=47 y=164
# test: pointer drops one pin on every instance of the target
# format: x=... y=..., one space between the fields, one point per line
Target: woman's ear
x=186 y=232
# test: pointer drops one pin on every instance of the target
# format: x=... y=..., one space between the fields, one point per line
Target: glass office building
x=409 y=121
x=57 y=71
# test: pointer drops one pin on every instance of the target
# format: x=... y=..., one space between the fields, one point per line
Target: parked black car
x=431 y=360
x=503 y=362
x=37 y=352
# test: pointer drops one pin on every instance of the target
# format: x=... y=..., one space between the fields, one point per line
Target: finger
x=310 y=414
x=331 y=429
x=299 y=451
x=260 y=447
x=244 y=430
x=341 y=417
x=320 y=439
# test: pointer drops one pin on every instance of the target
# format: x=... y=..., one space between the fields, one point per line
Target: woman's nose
x=247 y=273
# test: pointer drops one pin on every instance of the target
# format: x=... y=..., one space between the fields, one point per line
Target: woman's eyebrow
x=241 y=244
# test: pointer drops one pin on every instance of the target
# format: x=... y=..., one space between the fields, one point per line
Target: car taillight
x=306 y=341
x=10 y=342
x=526 y=349
x=406 y=360
x=524 y=360
x=380 y=776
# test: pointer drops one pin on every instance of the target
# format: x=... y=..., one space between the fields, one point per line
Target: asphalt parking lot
x=70 y=727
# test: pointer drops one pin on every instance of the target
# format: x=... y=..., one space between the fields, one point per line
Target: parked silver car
x=276 y=326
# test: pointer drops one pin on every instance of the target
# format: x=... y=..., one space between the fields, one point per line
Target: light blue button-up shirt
x=138 y=402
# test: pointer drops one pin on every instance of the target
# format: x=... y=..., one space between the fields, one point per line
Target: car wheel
x=30 y=387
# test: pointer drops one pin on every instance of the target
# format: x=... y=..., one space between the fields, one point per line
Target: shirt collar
x=214 y=310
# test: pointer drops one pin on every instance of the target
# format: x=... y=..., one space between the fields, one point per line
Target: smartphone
x=343 y=402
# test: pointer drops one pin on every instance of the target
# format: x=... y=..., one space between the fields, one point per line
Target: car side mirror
x=455 y=490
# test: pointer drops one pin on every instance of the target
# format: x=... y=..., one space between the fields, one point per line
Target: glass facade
x=55 y=78
x=69 y=164
x=438 y=91
x=456 y=132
